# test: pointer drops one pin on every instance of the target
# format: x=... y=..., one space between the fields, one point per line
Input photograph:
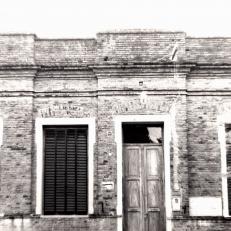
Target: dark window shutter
x=49 y=172
x=228 y=155
x=229 y=194
x=81 y=181
x=228 y=162
x=65 y=170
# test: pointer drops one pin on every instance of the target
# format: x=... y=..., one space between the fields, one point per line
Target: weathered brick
x=103 y=78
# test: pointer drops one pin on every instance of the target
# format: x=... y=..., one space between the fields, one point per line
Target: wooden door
x=143 y=190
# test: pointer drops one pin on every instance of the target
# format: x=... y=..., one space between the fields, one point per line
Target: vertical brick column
x=17 y=73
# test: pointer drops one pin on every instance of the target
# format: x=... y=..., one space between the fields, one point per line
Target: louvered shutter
x=228 y=162
x=65 y=170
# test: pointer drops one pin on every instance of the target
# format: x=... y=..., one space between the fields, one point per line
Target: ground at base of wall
x=58 y=224
x=105 y=224
x=210 y=224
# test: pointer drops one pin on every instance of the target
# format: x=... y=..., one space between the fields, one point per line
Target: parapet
x=115 y=47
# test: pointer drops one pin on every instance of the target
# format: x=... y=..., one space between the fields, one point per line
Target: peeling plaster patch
x=224 y=107
x=5 y=222
x=17 y=222
x=204 y=223
x=27 y=222
x=143 y=97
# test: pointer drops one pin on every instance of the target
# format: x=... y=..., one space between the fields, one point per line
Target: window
x=41 y=124
x=142 y=133
x=65 y=176
x=228 y=163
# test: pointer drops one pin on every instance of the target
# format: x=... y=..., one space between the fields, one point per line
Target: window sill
x=90 y=216
x=64 y=216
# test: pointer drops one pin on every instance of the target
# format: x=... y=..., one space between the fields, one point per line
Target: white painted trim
x=222 y=120
x=64 y=216
x=119 y=224
x=118 y=120
x=39 y=123
x=172 y=112
x=1 y=131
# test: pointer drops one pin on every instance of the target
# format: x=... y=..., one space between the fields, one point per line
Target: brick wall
x=65 y=52
x=138 y=47
x=16 y=108
x=103 y=78
x=208 y=50
x=17 y=50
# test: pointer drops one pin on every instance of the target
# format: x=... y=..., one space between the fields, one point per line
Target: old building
x=129 y=131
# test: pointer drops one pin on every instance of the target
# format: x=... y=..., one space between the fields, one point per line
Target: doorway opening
x=143 y=177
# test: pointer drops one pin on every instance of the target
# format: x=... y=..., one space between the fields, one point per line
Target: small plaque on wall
x=176 y=203
x=108 y=185
x=205 y=206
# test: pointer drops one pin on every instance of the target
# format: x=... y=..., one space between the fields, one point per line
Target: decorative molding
x=185 y=67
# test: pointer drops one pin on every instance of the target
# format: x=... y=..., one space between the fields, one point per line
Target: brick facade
x=104 y=78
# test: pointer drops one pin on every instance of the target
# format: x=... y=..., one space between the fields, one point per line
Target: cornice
x=116 y=92
x=18 y=67
x=110 y=67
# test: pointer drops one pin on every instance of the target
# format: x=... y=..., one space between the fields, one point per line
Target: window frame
x=39 y=143
x=224 y=120
x=1 y=131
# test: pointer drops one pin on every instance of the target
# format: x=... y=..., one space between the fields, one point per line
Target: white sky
x=84 y=18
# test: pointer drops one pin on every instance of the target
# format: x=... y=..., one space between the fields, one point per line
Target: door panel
x=153 y=160
x=133 y=194
x=132 y=186
x=153 y=188
x=154 y=221
x=134 y=221
x=143 y=200
x=133 y=162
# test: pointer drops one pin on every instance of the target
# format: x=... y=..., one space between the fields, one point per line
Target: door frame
x=118 y=122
